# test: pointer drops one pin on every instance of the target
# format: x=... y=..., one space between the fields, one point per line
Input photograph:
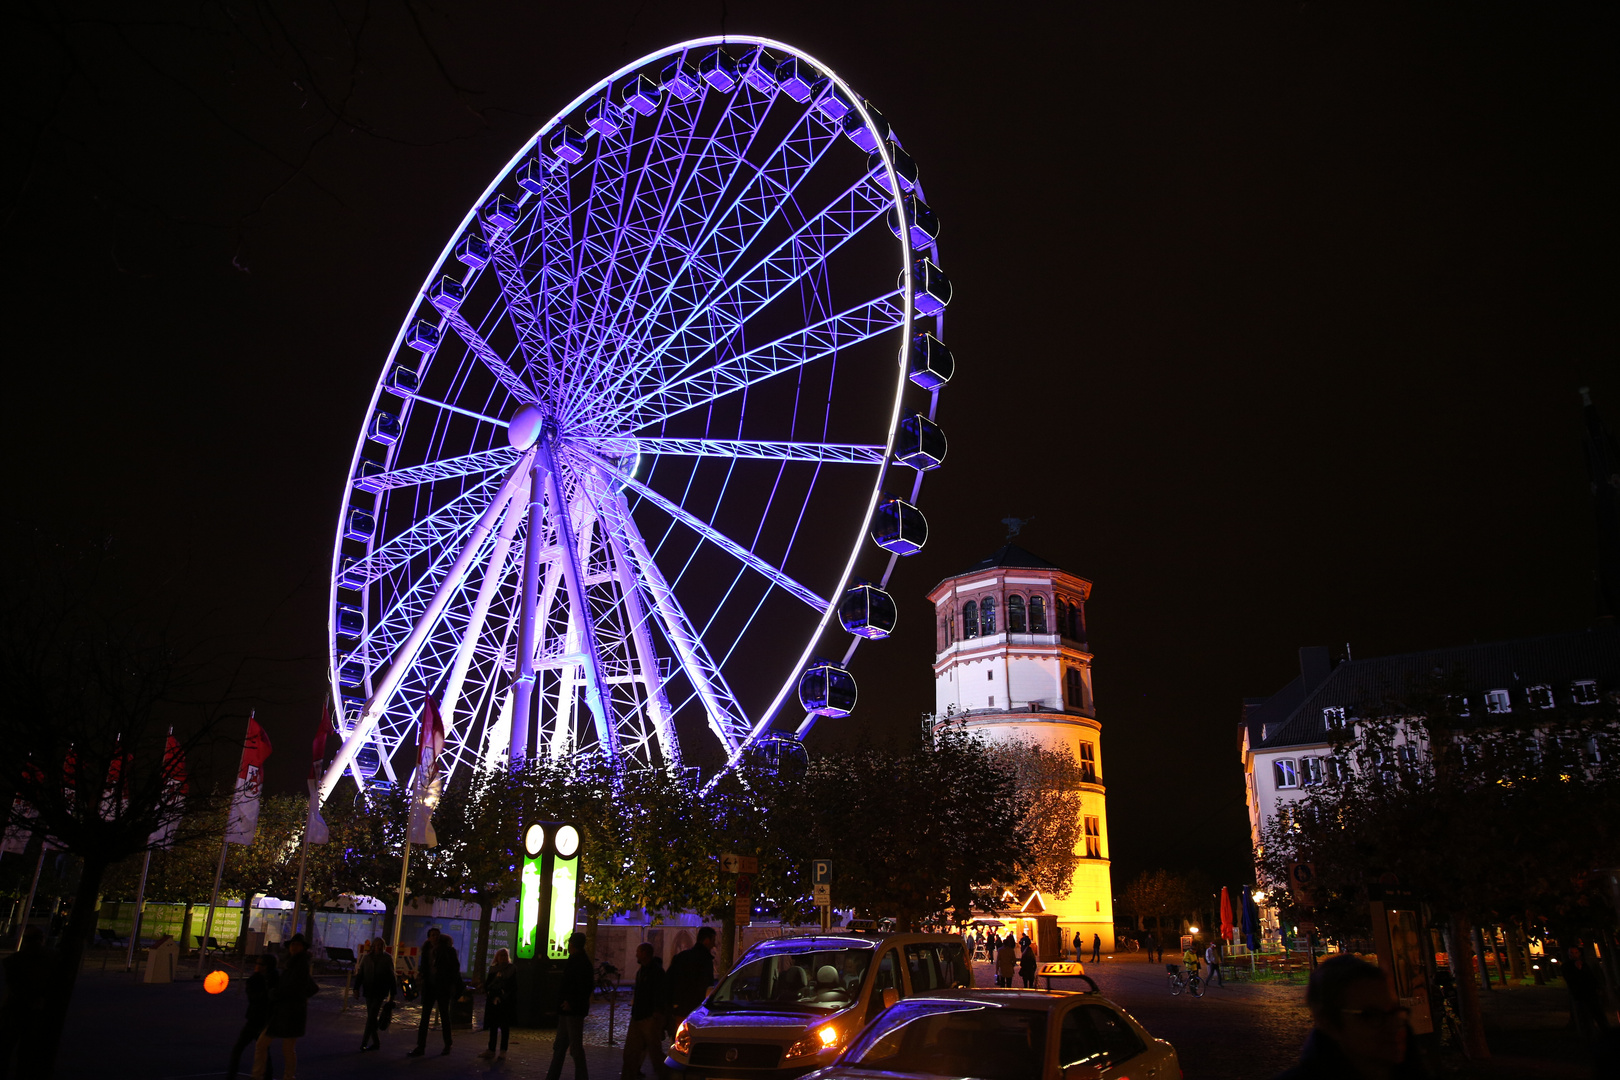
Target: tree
x=476 y=861
x=1428 y=795
x=1049 y=783
x=1158 y=894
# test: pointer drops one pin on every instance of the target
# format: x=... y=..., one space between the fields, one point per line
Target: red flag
x=317 y=749
x=315 y=830
x=429 y=778
x=244 y=820
x=174 y=786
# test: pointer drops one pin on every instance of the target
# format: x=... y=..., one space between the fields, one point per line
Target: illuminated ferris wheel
x=649 y=442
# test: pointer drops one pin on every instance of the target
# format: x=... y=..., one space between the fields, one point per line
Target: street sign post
x=821 y=889
x=739 y=864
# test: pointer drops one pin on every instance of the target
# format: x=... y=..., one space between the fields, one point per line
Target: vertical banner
x=244 y=820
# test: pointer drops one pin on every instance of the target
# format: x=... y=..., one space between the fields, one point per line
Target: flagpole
x=213 y=901
x=399 y=909
x=140 y=906
x=28 y=906
x=303 y=861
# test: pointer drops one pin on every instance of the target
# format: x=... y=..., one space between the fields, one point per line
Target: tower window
x=1496 y=701
x=1037 y=614
x=1015 y=614
x=970 y=620
x=990 y=676
x=1088 y=762
x=1093 y=838
x=987 y=615
x=1077 y=696
x=1540 y=697
x=1333 y=717
x=1584 y=692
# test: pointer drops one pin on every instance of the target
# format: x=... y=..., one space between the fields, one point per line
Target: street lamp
x=1258 y=896
x=1192 y=929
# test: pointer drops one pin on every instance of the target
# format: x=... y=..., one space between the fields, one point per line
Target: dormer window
x=1584 y=692
x=1497 y=701
x=1539 y=697
x=1333 y=718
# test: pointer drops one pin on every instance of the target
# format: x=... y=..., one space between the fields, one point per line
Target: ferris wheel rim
x=895 y=200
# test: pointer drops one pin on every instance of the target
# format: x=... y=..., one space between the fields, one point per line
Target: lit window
x=1407 y=755
x=1585 y=692
x=970 y=620
x=1088 y=762
x=1333 y=770
x=1037 y=615
x=987 y=615
x=1310 y=771
x=1539 y=697
x=1093 y=838
x=1015 y=614
x=1333 y=717
x=1497 y=701
x=1287 y=774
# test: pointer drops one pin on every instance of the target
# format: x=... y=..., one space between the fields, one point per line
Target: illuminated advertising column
x=548 y=895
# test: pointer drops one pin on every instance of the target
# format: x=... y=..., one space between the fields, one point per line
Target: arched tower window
x=987 y=615
x=1076 y=693
x=1037 y=614
x=1015 y=614
x=1062 y=616
x=970 y=620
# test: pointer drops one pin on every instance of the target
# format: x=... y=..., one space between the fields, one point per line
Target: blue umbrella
x=1251 y=921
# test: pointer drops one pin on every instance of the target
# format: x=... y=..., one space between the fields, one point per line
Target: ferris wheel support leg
x=475 y=623
x=601 y=706
x=406 y=656
x=523 y=684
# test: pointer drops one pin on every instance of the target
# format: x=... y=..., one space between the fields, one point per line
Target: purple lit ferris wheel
x=645 y=450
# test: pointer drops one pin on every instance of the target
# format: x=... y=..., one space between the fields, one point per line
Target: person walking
x=500 y=982
x=1152 y=942
x=289 y=1011
x=1360 y=1030
x=1027 y=965
x=1212 y=957
x=424 y=990
x=691 y=974
x=259 y=987
x=649 y=1006
x=1006 y=960
x=446 y=988
x=574 y=1004
x=1096 y=949
x=374 y=980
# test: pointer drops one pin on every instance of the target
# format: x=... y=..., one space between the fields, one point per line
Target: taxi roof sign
x=1061 y=969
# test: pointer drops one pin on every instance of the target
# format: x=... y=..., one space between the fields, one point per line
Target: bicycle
x=607 y=979
x=1189 y=982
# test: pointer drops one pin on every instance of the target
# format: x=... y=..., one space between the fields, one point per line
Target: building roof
x=1010 y=555
x=1293 y=715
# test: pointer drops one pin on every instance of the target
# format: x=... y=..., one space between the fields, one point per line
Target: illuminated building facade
x=1013 y=666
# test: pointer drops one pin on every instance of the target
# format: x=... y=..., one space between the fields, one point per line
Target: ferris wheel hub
x=526 y=426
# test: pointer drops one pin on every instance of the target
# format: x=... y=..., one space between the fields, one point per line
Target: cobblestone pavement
x=1247 y=1031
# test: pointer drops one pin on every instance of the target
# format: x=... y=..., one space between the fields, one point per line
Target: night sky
x=1269 y=317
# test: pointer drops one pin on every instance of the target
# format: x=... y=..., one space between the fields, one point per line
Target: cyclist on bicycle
x=1190 y=961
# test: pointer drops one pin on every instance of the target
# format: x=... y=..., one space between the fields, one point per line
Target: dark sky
x=1269 y=316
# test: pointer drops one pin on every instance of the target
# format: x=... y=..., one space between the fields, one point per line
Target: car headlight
x=683 y=1039
x=819 y=1040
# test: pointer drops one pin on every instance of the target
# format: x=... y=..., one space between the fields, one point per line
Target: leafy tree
x=1049 y=783
x=476 y=860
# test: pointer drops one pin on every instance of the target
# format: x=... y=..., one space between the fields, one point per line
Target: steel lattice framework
x=614 y=480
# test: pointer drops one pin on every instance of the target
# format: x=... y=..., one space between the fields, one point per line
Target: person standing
x=374 y=979
x=1152 y=947
x=259 y=987
x=289 y=1010
x=574 y=1004
x=648 y=1008
x=446 y=988
x=1026 y=966
x=1212 y=957
x=1096 y=949
x=1006 y=960
x=424 y=990
x=499 y=984
x=1360 y=1029
x=691 y=974
x=1079 y=945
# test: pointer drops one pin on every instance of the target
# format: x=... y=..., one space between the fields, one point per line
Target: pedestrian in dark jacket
x=259 y=986
x=1026 y=966
x=577 y=982
x=1096 y=949
x=649 y=1009
x=374 y=979
x=1152 y=947
x=289 y=1007
x=1006 y=960
x=691 y=974
x=441 y=986
x=499 y=984
x=1360 y=1031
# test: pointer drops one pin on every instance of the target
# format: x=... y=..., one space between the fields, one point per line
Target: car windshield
x=814 y=980
x=959 y=1038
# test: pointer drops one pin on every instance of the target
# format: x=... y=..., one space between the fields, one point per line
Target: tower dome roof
x=1010 y=555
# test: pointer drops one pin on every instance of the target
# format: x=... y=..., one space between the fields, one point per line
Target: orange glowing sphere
x=216 y=982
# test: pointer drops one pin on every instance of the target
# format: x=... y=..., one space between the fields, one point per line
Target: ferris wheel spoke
x=831 y=453
x=719 y=539
x=782 y=268
x=494 y=572
x=484 y=461
x=786 y=353
x=440 y=528
x=726 y=716
x=494 y=361
x=384 y=690
x=520 y=305
x=594 y=253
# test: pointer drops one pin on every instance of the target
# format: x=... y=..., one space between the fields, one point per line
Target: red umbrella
x=1226 y=914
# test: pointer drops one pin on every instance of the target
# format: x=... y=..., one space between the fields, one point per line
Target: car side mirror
x=891 y=997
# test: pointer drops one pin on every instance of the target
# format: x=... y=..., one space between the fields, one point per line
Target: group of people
x=277 y=1002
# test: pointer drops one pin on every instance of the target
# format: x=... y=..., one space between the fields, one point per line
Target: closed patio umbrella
x=1226 y=914
x=1251 y=921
